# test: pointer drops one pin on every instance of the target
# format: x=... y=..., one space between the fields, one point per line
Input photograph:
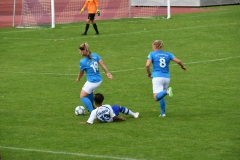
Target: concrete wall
x=198 y=3
x=218 y=2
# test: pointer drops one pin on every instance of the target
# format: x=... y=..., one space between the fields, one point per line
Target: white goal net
x=50 y=12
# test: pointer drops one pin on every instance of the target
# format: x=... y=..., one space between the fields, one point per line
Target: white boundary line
x=119 y=34
x=125 y=70
x=66 y=153
x=213 y=60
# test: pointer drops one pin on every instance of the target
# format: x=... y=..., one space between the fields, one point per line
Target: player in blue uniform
x=160 y=75
x=89 y=64
x=107 y=113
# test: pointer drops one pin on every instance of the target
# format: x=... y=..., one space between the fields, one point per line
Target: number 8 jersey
x=90 y=66
x=160 y=60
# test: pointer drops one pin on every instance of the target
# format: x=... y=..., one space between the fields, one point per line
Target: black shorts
x=91 y=16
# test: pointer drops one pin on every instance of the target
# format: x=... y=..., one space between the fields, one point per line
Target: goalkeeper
x=92 y=7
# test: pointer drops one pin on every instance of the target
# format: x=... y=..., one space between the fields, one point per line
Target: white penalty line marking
x=125 y=70
x=67 y=153
x=119 y=34
x=213 y=60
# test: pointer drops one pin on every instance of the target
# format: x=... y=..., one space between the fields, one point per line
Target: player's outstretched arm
x=178 y=61
x=109 y=75
x=82 y=10
x=91 y=118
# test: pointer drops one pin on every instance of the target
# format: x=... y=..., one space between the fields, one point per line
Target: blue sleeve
x=81 y=65
x=149 y=56
x=171 y=56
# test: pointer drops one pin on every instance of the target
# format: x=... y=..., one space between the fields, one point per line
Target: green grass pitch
x=39 y=92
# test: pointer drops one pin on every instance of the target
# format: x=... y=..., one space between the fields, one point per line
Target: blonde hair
x=158 y=44
x=85 y=48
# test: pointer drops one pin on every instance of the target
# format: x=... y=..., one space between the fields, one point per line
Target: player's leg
x=91 y=98
x=162 y=101
x=160 y=95
x=127 y=111
x=86 y=27
x=86 y=101
x=88 y=89
x=95 y=26
x=162 y=104
x=116 y=109
x=160 y=88
x=165 y=87
x=158 y=91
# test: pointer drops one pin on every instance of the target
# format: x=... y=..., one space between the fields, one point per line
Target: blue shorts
x=116 y=109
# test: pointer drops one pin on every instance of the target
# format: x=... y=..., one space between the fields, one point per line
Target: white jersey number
x=104 y=118
x=94 y=66
x=162 y=62
x=103 y=114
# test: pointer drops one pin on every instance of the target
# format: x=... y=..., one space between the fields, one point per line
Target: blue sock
x=91 y=98
x=87 y=103
x=124 y=110
x=160 y=95
x=162 y=105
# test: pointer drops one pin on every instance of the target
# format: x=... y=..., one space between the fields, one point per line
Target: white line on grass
x=67 y=153
x=204 y=15
x=118 y=34
x=213 y=60
x=164 y=30
x=125 y=70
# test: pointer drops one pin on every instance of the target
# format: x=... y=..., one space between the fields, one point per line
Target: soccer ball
x=79 y=110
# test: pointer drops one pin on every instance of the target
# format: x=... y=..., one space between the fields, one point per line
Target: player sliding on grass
x=92 y=6
x=160 y=73
x=107 y=113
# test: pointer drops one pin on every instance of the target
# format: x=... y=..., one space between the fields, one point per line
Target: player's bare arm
x=109 y=75
x=148 y=63
x=80 y=74
x=178 y=61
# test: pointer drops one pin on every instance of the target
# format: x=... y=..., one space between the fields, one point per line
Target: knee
x=83 y=94
x=155 y=98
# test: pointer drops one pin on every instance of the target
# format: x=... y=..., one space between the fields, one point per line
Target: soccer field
x=39 y=92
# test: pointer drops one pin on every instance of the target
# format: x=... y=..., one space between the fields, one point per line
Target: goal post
x=37 y=13
x=168 y=9
x=53 y=13
x=150 y=8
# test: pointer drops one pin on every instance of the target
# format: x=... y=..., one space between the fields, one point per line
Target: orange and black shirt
x=91 y=5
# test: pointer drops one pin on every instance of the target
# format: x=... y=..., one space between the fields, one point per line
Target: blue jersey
x=91 y=68
x=160 y=62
